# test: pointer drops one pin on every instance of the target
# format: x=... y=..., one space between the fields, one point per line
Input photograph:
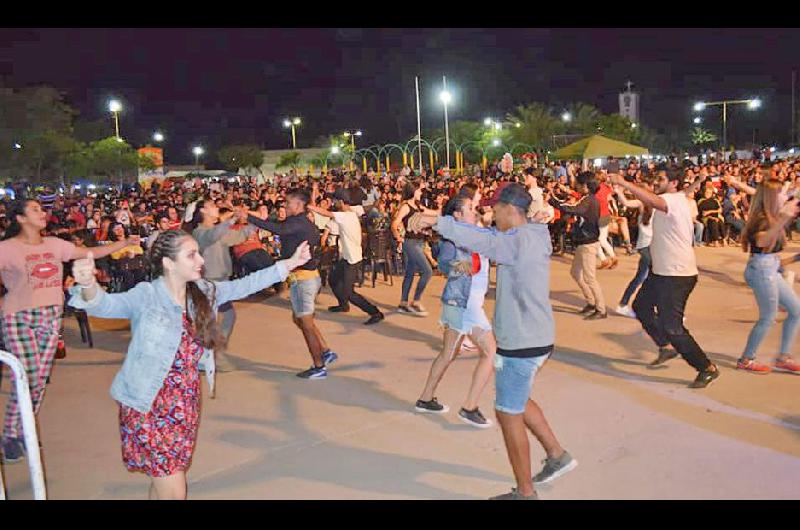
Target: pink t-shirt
x=33 y=274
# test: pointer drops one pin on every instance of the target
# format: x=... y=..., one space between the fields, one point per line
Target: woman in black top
x=764 y=237
x=710 y=211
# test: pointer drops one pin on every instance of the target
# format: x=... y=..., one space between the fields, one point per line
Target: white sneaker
x=417 y=309
x=626 y=311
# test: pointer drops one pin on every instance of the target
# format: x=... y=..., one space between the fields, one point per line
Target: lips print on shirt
x=44 y=270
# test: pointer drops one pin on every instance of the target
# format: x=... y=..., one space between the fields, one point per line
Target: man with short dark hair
x=343 y=276
x=524 y=327
x=673 y=275
x=585 y=234
x=304 y=281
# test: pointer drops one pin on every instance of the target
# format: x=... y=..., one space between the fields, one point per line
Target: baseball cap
x=493 y=200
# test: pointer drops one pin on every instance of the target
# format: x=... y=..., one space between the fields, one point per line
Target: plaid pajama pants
x=32 y=336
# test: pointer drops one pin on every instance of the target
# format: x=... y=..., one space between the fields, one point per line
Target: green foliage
x=247 y=156
x=291 y=159
x=701 y=136
x=537 y=125
x=113 y=158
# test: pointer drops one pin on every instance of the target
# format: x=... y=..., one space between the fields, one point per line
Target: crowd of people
x=174 y=256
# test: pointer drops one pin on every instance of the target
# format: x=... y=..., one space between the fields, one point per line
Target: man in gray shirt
x=524 y=327
x=214 y=236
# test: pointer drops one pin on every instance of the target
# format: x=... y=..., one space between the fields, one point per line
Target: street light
x=446 y=98
x=566 y=117
x=698 y=120
x=752 y=104
x=17 y=145
x=198 y=151
x=487 y=122
x=496 y=142
x=292 y=124
x=115 y=107
x=158 y=137
x=334 y=150
x=352 y=135
x=633 y=125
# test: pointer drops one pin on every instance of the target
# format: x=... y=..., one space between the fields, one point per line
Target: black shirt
x=293 y=231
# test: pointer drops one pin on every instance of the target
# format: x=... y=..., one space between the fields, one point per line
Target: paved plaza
x=638 y=432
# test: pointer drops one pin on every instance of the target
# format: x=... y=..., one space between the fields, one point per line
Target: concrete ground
x=638 y=432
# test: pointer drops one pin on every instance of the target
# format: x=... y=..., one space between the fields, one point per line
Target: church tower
x=629 y=104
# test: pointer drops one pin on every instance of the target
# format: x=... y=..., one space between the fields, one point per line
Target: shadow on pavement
x=597 y=363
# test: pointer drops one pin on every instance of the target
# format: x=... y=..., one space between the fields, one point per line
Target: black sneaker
x=587 y=309
x=374 y=319
x=597 y=315
x=13 y=450
x=474 y=418
x=704 y=378
x=339 y=309
x=314 y=373
x=404 y=309
x=664 y=355
x=431 y=406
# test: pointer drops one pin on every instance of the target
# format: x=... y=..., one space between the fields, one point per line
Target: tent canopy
x=598 y=147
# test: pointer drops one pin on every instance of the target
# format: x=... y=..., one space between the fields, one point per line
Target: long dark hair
x=202 y=318
x=16 y=208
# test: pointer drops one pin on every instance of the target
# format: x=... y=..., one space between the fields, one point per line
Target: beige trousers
x=584 y=272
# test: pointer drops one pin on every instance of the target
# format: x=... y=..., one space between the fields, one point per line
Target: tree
x=701 y=136
x=38 y=120
x=291 y=159
x=584 y=119
x=537 y=125
x=616 y=127
x=248 y=156
x=114 y=159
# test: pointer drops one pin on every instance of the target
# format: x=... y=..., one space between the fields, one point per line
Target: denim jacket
x=456 y=290
x=156 y=329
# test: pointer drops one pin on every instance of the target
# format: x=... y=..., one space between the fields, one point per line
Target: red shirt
x=602 y=196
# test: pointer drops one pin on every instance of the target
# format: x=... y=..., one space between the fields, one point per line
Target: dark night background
x=215 y=86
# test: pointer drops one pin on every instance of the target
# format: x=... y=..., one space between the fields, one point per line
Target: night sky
x=214 y=86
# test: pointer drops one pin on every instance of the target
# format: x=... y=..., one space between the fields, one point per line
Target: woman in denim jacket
x=462 y=315
x=173 y=328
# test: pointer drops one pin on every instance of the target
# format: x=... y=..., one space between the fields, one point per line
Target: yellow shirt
x=135 y=249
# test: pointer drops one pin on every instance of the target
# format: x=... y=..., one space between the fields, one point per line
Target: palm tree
x=537 y=124
x=701 y=136
x=584 y=119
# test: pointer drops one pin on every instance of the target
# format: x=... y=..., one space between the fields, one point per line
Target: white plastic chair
x=28 y=427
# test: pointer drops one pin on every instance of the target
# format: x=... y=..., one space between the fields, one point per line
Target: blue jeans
x=415 y=261
x=699 y=228
x=641 y=275
x=771 y=290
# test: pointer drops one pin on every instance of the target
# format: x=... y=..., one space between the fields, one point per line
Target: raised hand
x=790 y=208
x=83 y=271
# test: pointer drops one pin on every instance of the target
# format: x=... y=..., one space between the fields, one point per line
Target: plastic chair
x=30 y=435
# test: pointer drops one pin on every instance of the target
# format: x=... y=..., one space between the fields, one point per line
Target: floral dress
x=161 y=442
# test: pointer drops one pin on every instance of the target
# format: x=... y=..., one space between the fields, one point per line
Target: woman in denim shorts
x=462 y=316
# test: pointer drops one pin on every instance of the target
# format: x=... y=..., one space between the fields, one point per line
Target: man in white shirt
x=343 y=276
x=672 y=277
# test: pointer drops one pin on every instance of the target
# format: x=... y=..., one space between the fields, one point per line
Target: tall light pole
x=292 y=123
x=446 y=98
x=352 y=135
x=115 y=107
x=752 y=104
x=198 y=151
